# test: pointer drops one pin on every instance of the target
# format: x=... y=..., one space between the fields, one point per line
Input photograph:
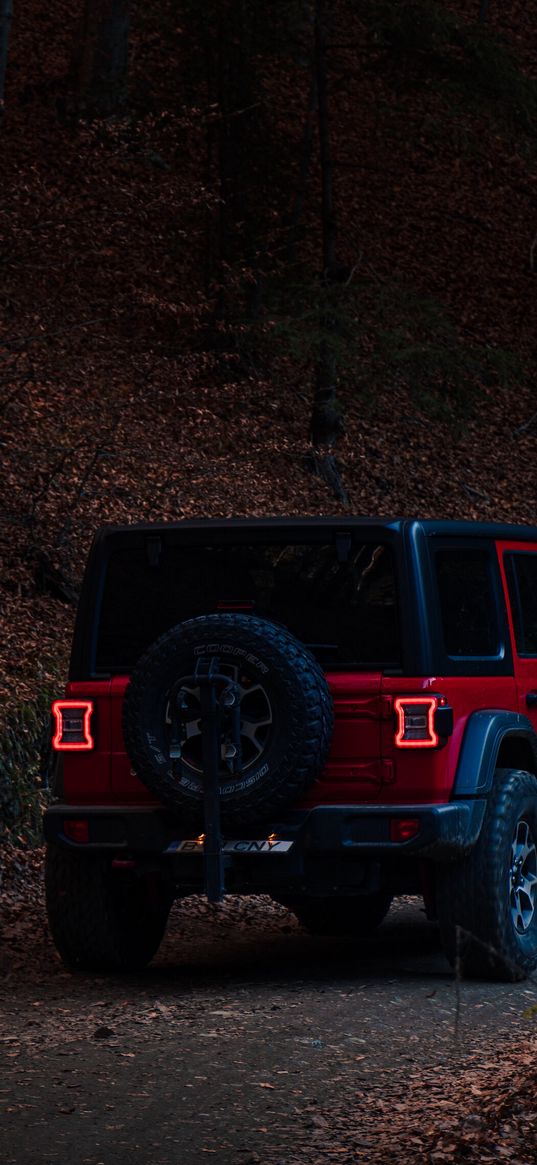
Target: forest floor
x=251 y=1042
x=247 y=1040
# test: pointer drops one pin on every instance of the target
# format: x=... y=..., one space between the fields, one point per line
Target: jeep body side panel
x=124 y=784
x=353 y=773
x=86 y=775
x=428 y=775
x=364 y=765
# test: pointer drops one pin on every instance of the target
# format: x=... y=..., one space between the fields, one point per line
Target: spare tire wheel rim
x=256 y=721
x=523 y=878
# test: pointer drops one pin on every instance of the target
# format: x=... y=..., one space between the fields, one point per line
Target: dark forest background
x=256 y=259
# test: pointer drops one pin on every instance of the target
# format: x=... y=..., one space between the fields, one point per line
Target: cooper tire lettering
x=238 y=652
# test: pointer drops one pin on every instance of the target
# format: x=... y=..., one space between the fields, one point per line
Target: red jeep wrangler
x=330 y=711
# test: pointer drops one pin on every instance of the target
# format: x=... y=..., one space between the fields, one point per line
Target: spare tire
x=286 y=717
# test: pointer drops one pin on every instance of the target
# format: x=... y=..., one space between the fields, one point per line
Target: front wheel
x=349 y=917
x=102 y=919
x=487 y=903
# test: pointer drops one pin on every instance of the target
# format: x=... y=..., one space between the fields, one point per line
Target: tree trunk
x=6 y=16
x=226 y=155
x=236 y=139
x=308 y=135
x=99 y=64
x=326 y=421
x=483 y=10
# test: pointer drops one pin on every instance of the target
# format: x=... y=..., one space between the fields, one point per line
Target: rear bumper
x=347 y=832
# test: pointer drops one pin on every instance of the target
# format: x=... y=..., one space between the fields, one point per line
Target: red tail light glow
x=404 y=828
x=73 y=725
x=77 y=830
x=415 y=721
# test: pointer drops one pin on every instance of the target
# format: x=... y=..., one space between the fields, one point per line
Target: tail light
x=422 y=721
x=72 y=722
x=77 y=830
x=404 y=828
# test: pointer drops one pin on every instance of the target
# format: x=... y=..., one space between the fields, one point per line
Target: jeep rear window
x=468 y=603
x=345 y=612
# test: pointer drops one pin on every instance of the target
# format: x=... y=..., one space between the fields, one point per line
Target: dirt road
x=248 y=1041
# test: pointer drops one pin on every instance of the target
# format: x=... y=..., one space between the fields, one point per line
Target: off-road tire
x=473 y=895
x=300 y=702
x=347 y=917
x=103 y=919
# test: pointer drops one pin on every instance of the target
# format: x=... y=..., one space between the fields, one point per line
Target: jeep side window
x=522 y=582
x=467 y=602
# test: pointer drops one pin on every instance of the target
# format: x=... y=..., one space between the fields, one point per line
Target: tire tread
x=91 y=928
x=472 y=905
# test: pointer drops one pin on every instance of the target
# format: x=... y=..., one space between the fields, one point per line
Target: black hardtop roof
x=429 y=526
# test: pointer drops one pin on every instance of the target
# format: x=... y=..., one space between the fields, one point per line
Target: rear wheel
x=101 y=918
x=354 y=917
x=487 y=903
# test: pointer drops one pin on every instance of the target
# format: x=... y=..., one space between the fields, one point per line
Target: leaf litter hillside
x=128 y=393
x=121 y=396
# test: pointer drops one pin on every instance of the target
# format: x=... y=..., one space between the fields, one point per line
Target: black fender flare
x=484 y=734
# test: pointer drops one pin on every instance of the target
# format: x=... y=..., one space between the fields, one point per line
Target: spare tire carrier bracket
x=218 y=694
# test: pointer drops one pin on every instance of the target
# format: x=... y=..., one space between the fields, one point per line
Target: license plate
x=195 y=846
